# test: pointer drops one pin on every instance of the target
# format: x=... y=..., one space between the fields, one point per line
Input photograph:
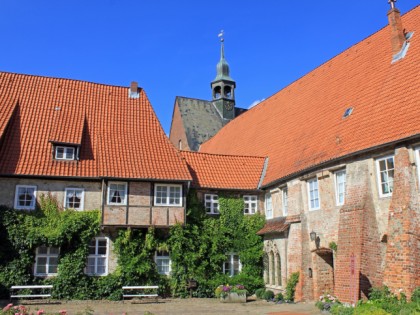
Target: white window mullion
x=268 y=206
x=313 y=194
x=385 y=175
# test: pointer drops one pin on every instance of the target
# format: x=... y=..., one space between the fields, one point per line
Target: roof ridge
x=66 y=79
x=192 y=98
x=229 y=155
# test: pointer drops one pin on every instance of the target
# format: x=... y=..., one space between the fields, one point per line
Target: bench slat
x=30 y=295
x=140 y=287
x=135 y=295
x=16 y=287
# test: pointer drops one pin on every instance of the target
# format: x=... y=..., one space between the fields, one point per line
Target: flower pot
x=233 y=297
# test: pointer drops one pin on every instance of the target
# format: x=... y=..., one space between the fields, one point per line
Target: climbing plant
x=198 y=250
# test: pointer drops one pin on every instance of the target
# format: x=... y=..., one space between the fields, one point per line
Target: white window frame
x=230 y=258
x=109 y=197
x=168 y=196
x=285 y=201
x=378 y=174
x=213 y=199
x=338 y=192
x=66 y=152
x=250 y=204
x=82 y=199
x=417 y=157
x=33 y=203
x=268 y=206
x=48 y=257
x=161 y=258
x=310 y=190
x=97 y=256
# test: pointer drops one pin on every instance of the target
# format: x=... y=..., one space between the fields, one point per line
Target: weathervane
x=392 y=3
x=221 y=34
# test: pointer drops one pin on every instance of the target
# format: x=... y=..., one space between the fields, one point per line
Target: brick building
x=341 y=185
x=89 y=146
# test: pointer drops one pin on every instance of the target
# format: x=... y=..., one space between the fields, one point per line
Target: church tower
x=223 y=87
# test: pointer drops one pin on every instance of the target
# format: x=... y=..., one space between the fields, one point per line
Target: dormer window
x=65 y=153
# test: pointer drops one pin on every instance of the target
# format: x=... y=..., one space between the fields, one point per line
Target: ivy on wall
x=198 y=250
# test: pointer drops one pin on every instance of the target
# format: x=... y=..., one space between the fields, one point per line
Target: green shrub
x=259 y=293
x=268 y=295
x=415 y=297
x=339 y=309
x=369 y=309
x=279 y=297
x=291 y=286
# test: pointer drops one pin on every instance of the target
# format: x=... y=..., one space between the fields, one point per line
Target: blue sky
x=171 y=46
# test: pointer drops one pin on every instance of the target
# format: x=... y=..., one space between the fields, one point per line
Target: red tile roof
x=302 y=125
x=120 y=137
x=276 y=225
x=224 y=171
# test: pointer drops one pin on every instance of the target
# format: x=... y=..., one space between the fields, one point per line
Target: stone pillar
x=402 y=265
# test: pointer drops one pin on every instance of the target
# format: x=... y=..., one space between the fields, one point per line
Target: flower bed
x=231 y=294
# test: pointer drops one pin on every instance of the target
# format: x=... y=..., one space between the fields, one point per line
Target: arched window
x=278 y=269
x=272 y=269
x=227 y=92
x=217 y=92
x=180 y=144
x=266 y=263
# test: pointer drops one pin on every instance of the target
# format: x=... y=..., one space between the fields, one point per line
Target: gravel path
x=172 y=306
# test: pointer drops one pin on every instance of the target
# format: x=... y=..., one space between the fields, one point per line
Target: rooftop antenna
x=392 y=3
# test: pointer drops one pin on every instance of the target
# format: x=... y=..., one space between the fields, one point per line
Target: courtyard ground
x=171 y=306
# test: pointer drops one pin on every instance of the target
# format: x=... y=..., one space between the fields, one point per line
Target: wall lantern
x=312 y=235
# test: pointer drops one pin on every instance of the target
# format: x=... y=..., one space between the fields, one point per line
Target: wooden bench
x=142 y=289
x=32 y=288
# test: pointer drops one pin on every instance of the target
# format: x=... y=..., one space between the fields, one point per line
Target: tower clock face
x=229 y=105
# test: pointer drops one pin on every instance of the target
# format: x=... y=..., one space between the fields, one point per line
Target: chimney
x=134 y=90
x=397 y=31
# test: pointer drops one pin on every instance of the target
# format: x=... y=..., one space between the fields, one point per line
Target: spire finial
x=392 y=3
x=221 y=36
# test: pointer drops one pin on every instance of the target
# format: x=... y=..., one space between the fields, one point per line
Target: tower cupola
x=223 y=86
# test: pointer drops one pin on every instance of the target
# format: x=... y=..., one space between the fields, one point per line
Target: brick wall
x=350 y=233
x=177 y=132
x=402 y=271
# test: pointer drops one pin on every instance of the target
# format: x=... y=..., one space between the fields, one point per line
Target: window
x=163 y=262
x=25 y=197
x=64 y=153
x=232 y=265
x=313 y=194
x=385 y=175
x=168 y=195
x=250 y=204
x=340 y=187
x=97 y=263
x=285 y=201
x=46 y=261
x=211 y=202
x=117 y=193
x=417 y=154
x=268 y=206
x=74 y=198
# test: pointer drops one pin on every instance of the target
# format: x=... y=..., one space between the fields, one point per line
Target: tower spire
x=223 y=85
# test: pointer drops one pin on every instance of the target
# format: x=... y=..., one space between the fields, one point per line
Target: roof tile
x=301 y=126
x=224 y=171
x=120 y=137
